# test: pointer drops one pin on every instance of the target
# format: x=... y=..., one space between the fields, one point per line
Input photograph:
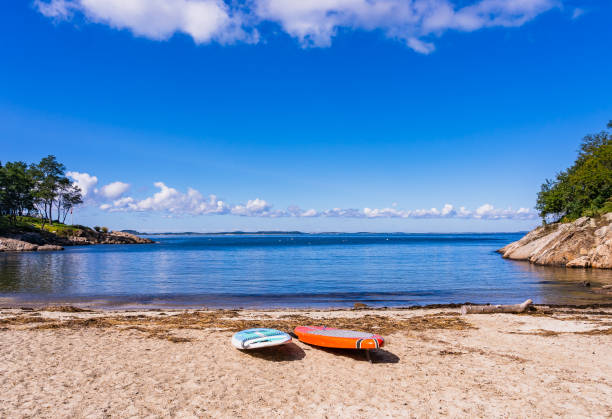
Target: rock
x=49 y=247
x=584 y=243
x=83 y=237
x=14 y=245
x=359 y=306
x=123 y=236
x=28 y=241
x=581 y=262
x=46 y=241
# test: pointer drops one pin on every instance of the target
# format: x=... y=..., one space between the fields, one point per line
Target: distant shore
x=180 y=363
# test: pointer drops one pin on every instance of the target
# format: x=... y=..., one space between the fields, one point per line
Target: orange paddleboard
x=338 y=338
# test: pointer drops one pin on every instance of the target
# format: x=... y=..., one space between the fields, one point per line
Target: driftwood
x=513 y=308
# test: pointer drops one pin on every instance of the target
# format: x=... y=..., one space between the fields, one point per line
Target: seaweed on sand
x=231 y=321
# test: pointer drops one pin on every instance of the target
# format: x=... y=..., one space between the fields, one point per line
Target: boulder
x=14 y=245
x=49 y=247
x=584 y=243
x=124 y=237
x=581 y=262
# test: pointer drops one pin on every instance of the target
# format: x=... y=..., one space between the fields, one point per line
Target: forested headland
x=39 y=190
x=576 y=211
x=35 y=200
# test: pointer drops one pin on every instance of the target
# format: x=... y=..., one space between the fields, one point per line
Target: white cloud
x=84 y=181
x=88 y=183
x=203 y=20
x=61 y=9
x=114 y=190
x=311 y=22
x=254 y=207
x=316 y=22
x=171 y=202
x=309 y=213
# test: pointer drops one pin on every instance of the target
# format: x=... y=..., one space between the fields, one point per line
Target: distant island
x=221 y=233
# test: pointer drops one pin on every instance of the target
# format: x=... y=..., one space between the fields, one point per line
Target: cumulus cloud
x=114 y=190
x=203 y=20
x=87 y=183
x=170 y=201
x=84 y=181
x=311 y=22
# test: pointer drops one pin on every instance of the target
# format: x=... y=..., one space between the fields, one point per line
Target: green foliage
x=585 y=188
x=16 y=184
x=26 y=223
x=104 y=229
x=37 y=189
x=97 y=228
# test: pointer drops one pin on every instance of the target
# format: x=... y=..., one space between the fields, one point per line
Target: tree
x=69 y=198
x=15 y=190
x=38 y=187
x=49 y=179
x=2 y=187
x=585 y=188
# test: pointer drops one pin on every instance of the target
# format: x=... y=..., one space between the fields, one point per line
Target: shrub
x=63 y=233
x=97 y=228
x=104 y=229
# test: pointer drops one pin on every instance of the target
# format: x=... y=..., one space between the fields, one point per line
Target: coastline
x=180 y=362
x=45 y=241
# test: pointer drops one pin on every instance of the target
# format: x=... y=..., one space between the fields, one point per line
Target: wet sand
x=179 y=363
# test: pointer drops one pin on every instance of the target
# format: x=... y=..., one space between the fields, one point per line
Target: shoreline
x=435 y=363
x=42 y=305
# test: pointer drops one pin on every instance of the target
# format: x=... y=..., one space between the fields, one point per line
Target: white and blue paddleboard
x=259 y=338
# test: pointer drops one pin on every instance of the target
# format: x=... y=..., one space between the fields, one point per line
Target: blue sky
x=335 y=115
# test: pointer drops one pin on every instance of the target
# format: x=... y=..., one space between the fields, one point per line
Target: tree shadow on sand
x=287 y=352
x=378 y=356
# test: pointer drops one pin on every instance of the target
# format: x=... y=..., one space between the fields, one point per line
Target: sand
x=552 y=363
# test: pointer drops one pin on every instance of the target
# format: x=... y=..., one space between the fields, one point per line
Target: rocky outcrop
x=49 y=247
x=114 y=237
x=43 y=240
x=584 y=243
x=14 y=245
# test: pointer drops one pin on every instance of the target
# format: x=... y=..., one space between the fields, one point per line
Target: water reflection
x=562 y=285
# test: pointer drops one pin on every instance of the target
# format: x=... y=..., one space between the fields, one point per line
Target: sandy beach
x=548 y=363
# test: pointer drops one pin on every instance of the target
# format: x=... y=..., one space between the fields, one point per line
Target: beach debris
x=66 y=309
x=512 y=308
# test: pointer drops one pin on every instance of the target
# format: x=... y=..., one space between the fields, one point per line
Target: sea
x=291 y=270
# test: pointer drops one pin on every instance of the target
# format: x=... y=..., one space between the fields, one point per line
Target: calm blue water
x=291 y=271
